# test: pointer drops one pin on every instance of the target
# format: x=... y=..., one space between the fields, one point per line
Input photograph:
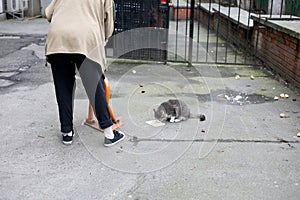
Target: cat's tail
x=201 y=117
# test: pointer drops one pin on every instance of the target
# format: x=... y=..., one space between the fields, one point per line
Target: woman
x=76 y=38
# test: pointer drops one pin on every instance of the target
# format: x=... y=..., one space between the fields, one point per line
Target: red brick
x=279 y=39
x=290 y=62
x=273 y=40
x=287 y=42
x=290 y=54
x=266 y=38
x=290 y=38
x=277 y=33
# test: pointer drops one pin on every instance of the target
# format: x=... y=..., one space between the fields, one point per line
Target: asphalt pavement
x=246 y=149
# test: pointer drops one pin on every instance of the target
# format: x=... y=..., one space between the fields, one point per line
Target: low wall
x=206 y=15
x=234 y=31
x=278 y=45
x=180 y=13
x=231 y=23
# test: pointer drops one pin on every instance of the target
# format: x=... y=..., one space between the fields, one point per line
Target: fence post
x=191 y=36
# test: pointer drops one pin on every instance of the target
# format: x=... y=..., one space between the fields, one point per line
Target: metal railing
x=200 y=31
x=223 y=31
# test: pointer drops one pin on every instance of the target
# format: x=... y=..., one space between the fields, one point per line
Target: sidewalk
x=244 y=150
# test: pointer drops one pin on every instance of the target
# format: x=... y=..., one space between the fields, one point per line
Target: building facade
x=22 y=8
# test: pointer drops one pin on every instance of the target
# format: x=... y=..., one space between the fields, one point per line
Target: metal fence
x=199 y=31
x=222 y=31
x=141 y=30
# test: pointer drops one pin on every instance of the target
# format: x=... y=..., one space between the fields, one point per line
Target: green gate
x=262 y=5
x=292 y=7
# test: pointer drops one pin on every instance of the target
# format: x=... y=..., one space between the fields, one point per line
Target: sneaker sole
x=67 y=143
x=112 y=144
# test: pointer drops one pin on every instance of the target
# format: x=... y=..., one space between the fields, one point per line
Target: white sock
x=108 y=133
x=69 y=134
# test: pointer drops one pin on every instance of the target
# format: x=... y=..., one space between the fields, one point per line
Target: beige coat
x=80 y=26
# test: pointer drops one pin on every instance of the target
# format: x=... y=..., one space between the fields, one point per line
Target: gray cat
x=175 y=110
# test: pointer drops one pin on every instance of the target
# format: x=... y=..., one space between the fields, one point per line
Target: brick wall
x=232 y=32
x=182 y=13
x=280 y=51
x=206 y=18
x=179 y=13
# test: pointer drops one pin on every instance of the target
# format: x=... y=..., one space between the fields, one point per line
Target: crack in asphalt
x=278 y=141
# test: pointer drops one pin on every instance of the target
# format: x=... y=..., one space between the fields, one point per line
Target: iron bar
x=217 y=32
x=271 y=9
x=176 y=42
x=283 y=19
x=281 y=8
x=257 y=31
x=238 y=29
x=198 y=31
x=247 y=33
x=293 y=7
x=186 y=29
x=227 y=31
x=207 y=37
x=192 y=13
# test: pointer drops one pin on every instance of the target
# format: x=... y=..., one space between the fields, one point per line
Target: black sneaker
x=119 y=136
x=68 y=138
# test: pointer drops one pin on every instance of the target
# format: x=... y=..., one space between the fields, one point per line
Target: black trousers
x=63 y=70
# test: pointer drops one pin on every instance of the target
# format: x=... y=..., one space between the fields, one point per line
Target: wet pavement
x=244 y=150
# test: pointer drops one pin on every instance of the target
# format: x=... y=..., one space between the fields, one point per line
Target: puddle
x=240 y=98
x=232 y=97
x=243 y=99
x=8 y=78
x=23 y=68
x=6 y=83
x=8 y=74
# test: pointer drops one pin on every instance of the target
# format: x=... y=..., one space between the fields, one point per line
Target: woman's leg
x=63 y=71
x=93 y=81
